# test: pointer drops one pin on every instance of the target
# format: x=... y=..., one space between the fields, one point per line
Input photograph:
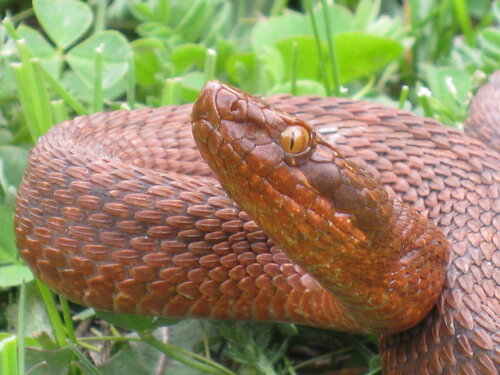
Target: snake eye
x=295 y=139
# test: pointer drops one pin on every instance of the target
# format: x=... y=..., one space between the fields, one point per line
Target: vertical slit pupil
x=292 y=140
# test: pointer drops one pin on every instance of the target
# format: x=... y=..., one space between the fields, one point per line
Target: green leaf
x=224 y=49
x=8 y=87
x=496 y=10
x=241 y=69
x=133 y=358
x=8 y=251
x=188 y=56
x=220 y=25
x=155 y=29
x=53 y=362
x=306 y=54
x=450 y=86
x=37 y=323
x=13 y=161
x=270 y=68
x=374 y=363
x=14 y=275
x=81 y=89
x=341 y=19
x=140 y=358
x=128 y=321
x=40 y=47
x=366 y=11
x=147 y=60
x=8 y=355
x=65 y=21
x=5 y=136
x=191 y=84
x=360 y=54
x=142 y=11
x=116 y=53
x=196 y=20
x=490 y=41
x=273 y=29
x=303 y=87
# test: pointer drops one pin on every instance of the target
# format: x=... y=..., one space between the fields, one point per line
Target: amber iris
x=295 y=139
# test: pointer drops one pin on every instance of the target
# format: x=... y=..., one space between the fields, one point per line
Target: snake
x=325 y=212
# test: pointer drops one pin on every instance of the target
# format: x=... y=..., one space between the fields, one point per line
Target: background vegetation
x=61 y=58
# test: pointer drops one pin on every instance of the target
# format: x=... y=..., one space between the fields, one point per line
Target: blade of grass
x=289 y=367
x=171 y=92
x=84 y=362
x=277 y=8
x=37 y=92
x=163 y=10
x=188 y=16
x=186 y=357
x=223 y=18
x=331 y=51
x=365 y=89
x=210 y=62
x=8 y=356
x=68 y=322
x=294 y=68
x=373 y=372
x=240 y=9
x=22 y=15
x=97 y=103
x=46 y=120
x=423 y=98
x=9 y=27
x=131 y=83
x=323 y=356
x=100 y=15
x=23 y=90
x=442 y=29
x=463 y=16
x=403 y=95
x=261 y=73
x=54 y=317
x=241 y=72
x=68 y=98
x=206 y=341
x=307 y=4
x=59 y=111
x=21 y=345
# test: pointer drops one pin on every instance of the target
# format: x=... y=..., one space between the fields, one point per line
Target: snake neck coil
x=381 y=259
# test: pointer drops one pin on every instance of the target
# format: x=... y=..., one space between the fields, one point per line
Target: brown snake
x=118 y=211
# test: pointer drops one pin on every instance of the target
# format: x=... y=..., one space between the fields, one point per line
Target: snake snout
x=205 y=107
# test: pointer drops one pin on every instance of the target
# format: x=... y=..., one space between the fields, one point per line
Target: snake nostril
x=235 y=107
x=238 y=110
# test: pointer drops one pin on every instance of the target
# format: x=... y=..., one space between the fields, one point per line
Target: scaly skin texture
x=383 y=261
x=119 y=212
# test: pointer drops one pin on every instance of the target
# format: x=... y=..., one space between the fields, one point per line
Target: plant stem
x=98 y=70
x=331 y=51
x=21 y=346
x=196 y=361
x=308 y=6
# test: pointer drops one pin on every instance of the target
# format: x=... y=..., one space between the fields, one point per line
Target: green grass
x=129 y=54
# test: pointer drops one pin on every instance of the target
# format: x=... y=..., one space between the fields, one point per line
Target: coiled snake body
x=118 y=211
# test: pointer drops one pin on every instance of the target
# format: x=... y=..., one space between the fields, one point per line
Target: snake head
x=272 y=164
x=248 y=123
